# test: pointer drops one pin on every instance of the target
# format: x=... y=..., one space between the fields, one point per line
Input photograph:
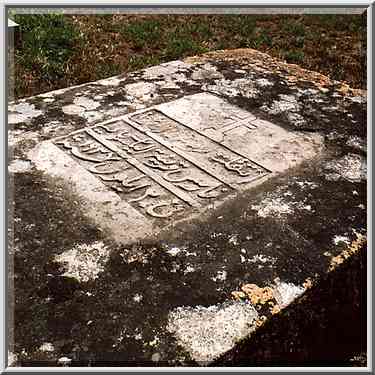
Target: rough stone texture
x=207 y=331
x=284 y=245
x=170 y=162
x=85 y=262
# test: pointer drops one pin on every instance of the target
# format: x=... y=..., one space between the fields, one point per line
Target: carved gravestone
x=174 y=234
x=156 y=166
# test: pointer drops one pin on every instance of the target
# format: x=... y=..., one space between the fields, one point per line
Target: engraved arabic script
x=162 y=168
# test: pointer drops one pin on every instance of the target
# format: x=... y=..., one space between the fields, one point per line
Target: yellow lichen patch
x=260 y=321
x=238 y=295
x=264 y=62
x=275 y=309
x=344 y=89
x=307 y=283
x=257 y=294
x=355 y=245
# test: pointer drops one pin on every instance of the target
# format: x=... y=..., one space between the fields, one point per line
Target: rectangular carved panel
x=161 y=167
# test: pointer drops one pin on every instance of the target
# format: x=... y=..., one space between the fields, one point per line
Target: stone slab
x=139 y=172
x=251 y=233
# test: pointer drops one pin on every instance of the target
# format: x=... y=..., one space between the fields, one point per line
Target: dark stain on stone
x=113 y=99
x=99 y=322
x=52 y=113
x=50 y=222
x=324 y=327
x=75 y=316
x=19 y=151
x=299 y=251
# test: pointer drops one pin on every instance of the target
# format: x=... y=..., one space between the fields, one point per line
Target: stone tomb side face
x=140 y=172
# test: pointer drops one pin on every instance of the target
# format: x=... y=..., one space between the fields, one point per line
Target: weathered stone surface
x=150 y=210
x=207 y=331
x=169 y=162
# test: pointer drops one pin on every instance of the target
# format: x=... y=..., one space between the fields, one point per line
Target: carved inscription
x=214 y=157
x=162 y=168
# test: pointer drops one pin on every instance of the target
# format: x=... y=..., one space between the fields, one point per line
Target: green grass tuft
x=142 y=34
x=47 y=43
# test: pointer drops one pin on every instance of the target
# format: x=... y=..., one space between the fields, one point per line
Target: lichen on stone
x=351 y=167
x=84 y=262
x=208 y=332
x=355 y=246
